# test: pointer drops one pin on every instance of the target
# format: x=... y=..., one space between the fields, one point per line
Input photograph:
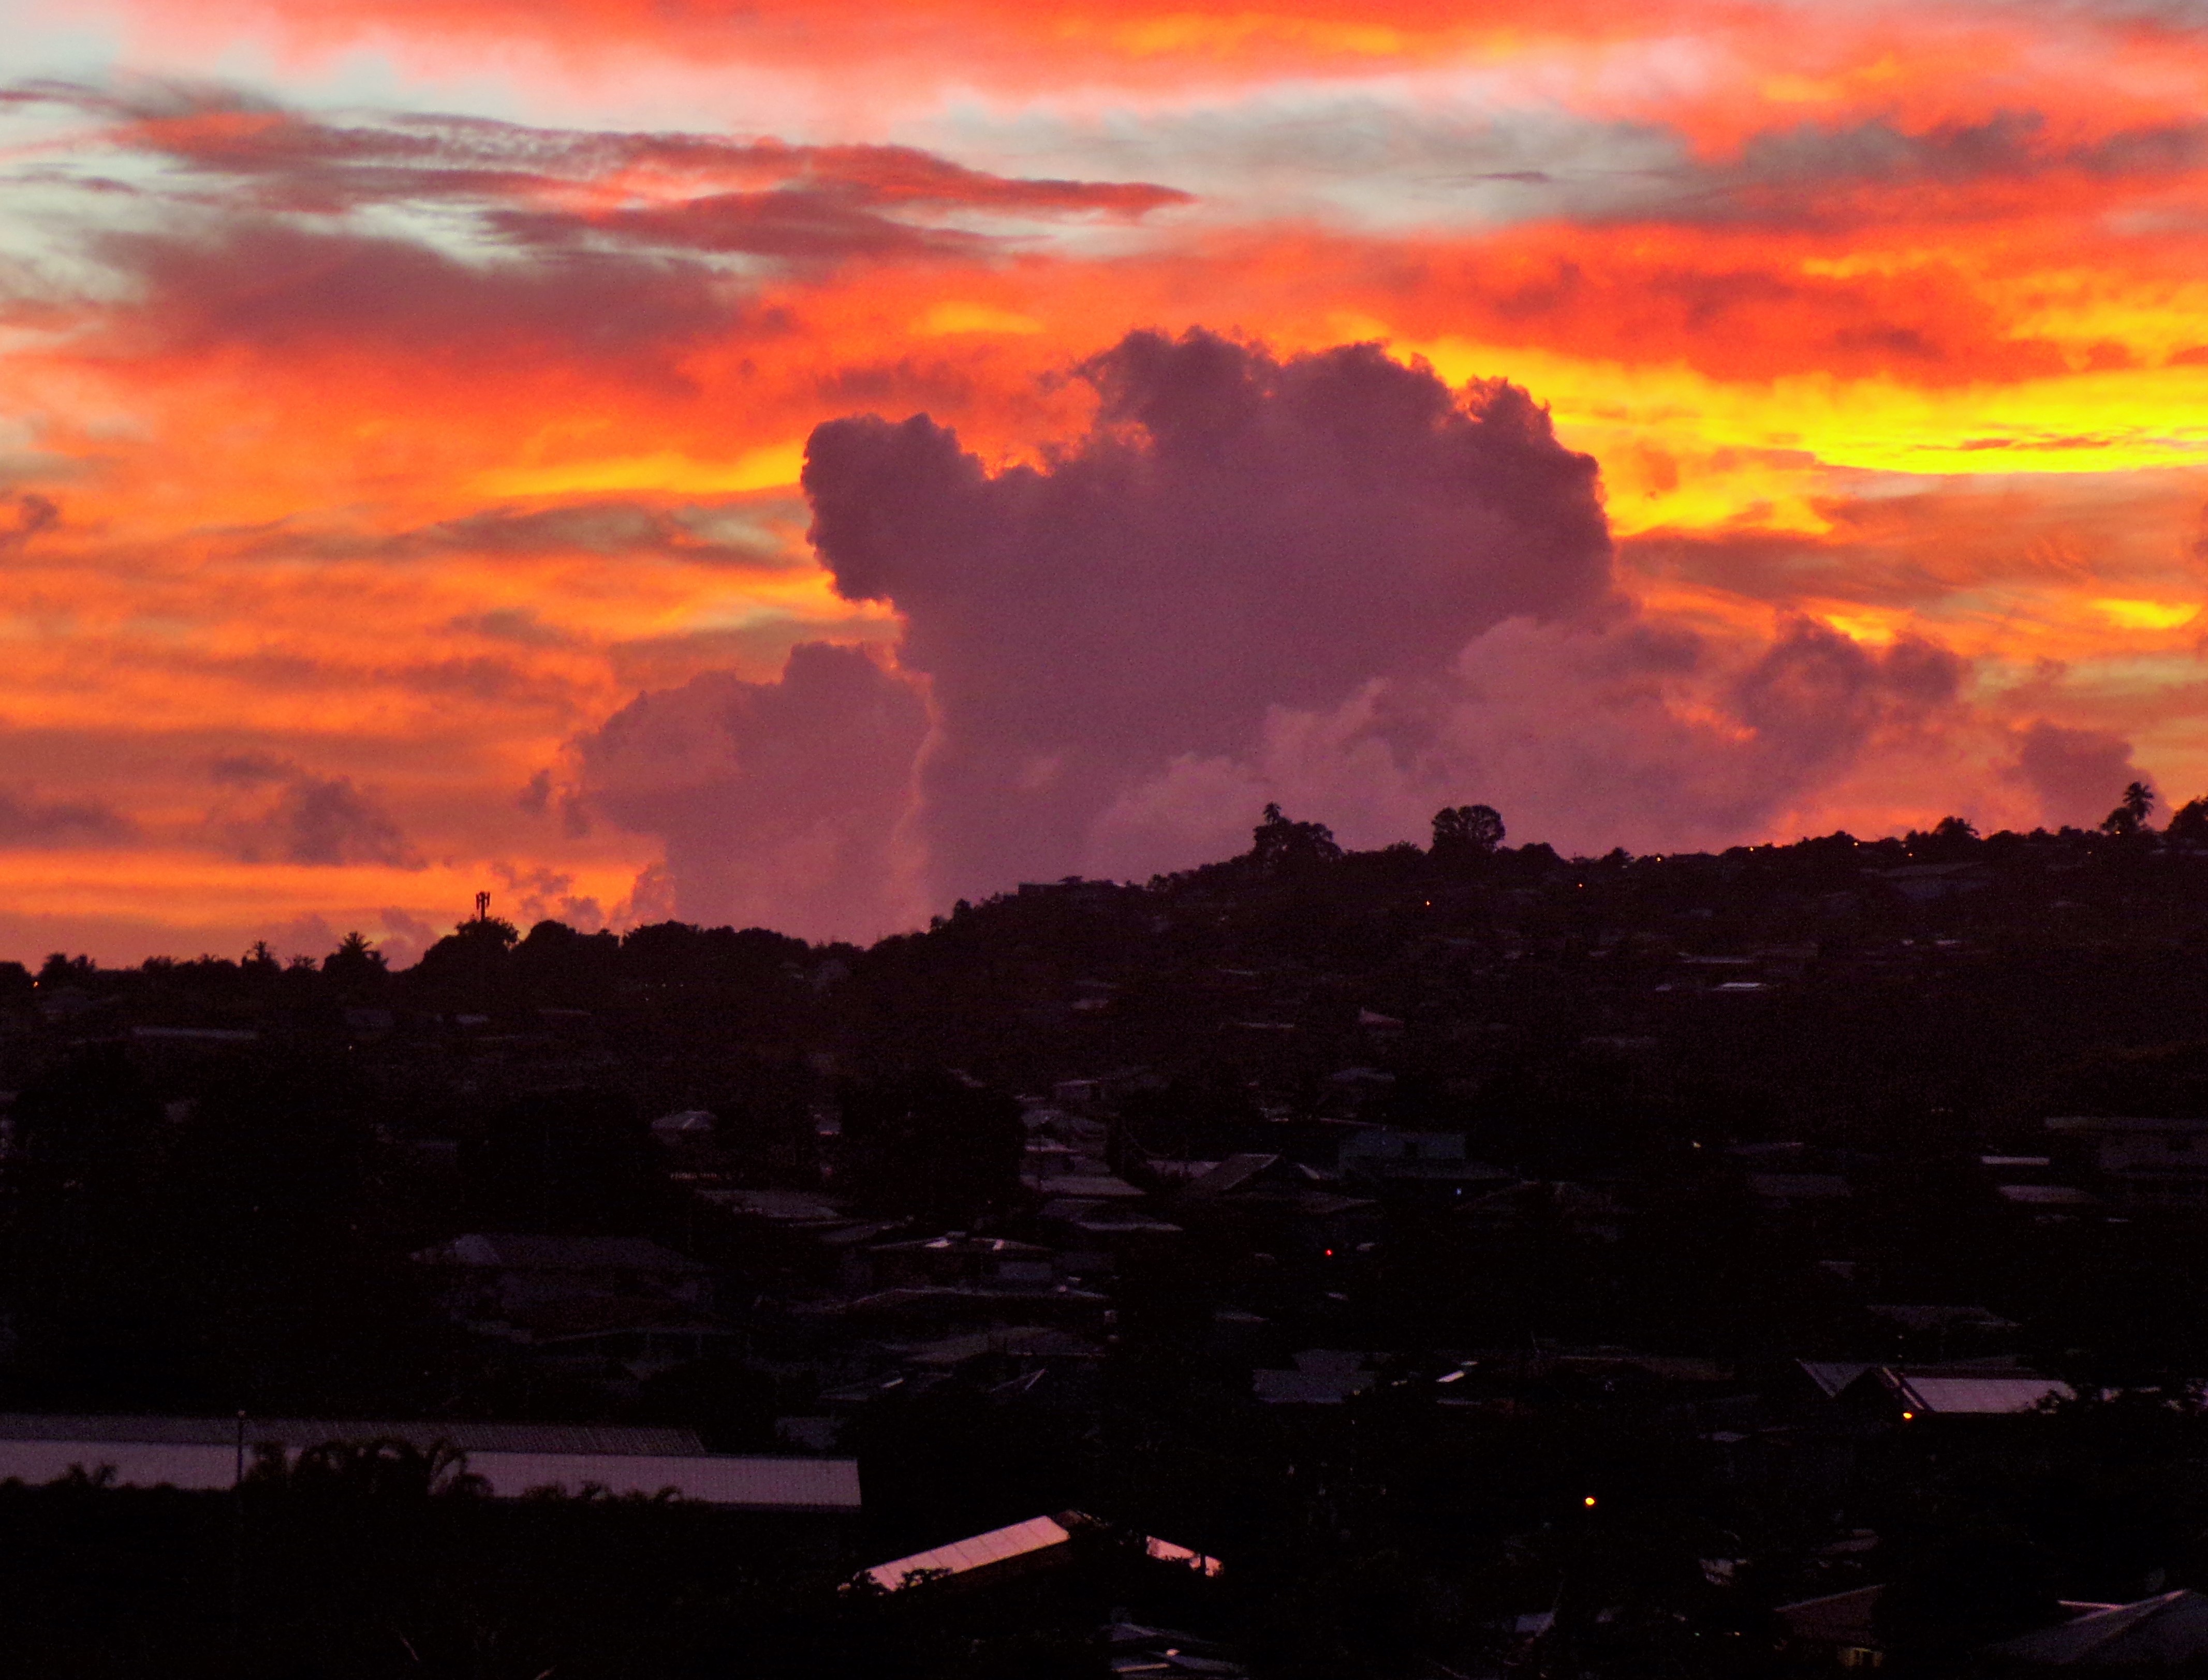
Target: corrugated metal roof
x=1798 y=1186
x=961 y=1243
x=1164 y=1551
x=1983 y=1397
x=1931 y=1317
x=1086 y=1186
x=1308 y=1388
x=1832 y=1375
x=2155 y=1633
x=1837 y=1618
x=299 y=1432
x=194 y=1468
x=1232 y=1173
x=2047 y=1196
x=1022 y=1341
x=1022 y=1540
x=998 y=1546
x=749 y=1483
x=742 y=1484
x=778 y=1207
x=529 y=1252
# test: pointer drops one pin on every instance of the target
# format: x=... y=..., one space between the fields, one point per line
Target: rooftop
x=2158 y=1633
x=528 y=1253
x=1015 y=1546
x=1968 y=1394
x=201 y=1455
x=300 y=1432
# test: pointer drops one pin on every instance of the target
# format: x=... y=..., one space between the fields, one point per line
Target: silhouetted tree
x=678 y=954
x=469 y=965
x=60 y=971
x=385 y=1469
x=556 y=964
x=355 y=963
x=2130 y=815
x=1279 y=843
x=1950 y=839
x=1467 y=831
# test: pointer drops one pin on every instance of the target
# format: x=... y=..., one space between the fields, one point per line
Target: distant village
x=1443 y=1261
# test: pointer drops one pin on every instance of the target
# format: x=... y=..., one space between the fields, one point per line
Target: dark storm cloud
x=1325 y=578
x=1826 y=176
x=762 y=644
x=788 y=223
x=284 y=811
x=1816 y=697
x=2078 y=774
x=280 y=287
x=1780 y=567
x=780 y=802
x=1738 y=312
x=698 y=533
x=29 y=823
x=517 y=625
x=34 y=513
x=1236 y=533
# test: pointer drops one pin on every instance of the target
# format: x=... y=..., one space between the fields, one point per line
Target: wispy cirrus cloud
x=537 y=186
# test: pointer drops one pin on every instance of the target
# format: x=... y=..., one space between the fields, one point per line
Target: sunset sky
x=403 y=406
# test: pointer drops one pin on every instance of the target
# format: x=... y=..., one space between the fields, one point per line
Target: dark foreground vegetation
x=1505 y=1262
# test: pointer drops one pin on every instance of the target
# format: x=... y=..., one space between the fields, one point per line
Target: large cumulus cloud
x=1622 y=731
x=1234 y=533
x=2076 y=773
x=1326 y=577
x=781 y=803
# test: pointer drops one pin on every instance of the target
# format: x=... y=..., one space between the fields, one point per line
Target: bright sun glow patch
x=667 y=472
x=2147 y=615
x=947 y=319
x=1875 y=629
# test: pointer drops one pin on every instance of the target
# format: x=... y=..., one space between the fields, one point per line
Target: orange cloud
x=404 y=450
